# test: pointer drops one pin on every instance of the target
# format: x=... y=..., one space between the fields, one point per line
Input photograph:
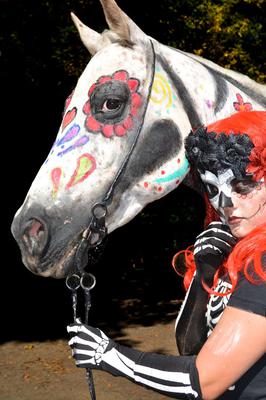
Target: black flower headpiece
x=212 y=152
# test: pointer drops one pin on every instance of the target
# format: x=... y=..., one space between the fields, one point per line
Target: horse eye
x=111 y=105
x=211 y=190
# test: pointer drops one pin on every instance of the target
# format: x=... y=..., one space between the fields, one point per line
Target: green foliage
x=229 y=32
x=42 y=36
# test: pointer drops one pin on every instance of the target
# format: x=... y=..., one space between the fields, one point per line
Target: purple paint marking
x=80 y=142
x=71 y=133
x=209 y=103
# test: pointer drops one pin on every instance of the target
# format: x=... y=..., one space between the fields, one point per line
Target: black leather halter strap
x=96 y=231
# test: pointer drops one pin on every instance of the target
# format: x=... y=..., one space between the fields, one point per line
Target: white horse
x=121 y=141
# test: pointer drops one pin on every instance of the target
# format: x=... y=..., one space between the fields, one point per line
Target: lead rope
x=91 y=238
x=87 y=282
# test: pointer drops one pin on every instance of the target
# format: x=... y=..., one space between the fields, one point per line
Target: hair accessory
x=257 y=165
x=212 y=152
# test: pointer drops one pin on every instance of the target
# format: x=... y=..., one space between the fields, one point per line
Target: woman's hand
x=88 y=345
x=211 y=248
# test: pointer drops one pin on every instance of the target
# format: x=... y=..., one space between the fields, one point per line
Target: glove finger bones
x=215 y=241
x=83 y=352
x=214 y=249
x=215 y=230
x=77 y=340
x=88 y=332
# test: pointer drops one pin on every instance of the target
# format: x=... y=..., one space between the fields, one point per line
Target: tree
x=41 y=33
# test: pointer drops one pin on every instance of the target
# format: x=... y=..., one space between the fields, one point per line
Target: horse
x=120 y=145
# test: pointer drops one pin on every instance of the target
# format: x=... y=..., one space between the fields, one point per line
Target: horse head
x=121 y=141
x=111 y=147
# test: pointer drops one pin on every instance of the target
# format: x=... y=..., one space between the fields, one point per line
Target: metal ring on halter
x=73 y=281
x=100 y=209
x=91 y=281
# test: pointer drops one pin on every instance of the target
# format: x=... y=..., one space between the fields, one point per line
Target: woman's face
x=241 y=204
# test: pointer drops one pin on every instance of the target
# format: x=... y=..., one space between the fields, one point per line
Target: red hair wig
x=247 y=254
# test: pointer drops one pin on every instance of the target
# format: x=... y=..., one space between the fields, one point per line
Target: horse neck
x=207 y=91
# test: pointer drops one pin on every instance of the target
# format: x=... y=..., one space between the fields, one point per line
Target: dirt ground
x=46 y=371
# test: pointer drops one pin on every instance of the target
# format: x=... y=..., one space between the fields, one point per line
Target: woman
x=230 y=158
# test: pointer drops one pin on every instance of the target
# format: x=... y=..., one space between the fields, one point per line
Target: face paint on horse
x=125 y=122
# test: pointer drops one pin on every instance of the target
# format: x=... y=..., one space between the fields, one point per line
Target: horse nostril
x=35 y=236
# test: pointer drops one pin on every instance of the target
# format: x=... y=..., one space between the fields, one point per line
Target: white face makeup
x=241 y=204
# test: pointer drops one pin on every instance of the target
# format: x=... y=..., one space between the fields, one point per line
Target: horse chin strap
x=96 y=232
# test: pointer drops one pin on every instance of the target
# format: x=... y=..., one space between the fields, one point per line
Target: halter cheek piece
x=96 y=231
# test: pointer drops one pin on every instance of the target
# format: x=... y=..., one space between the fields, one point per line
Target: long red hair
x=247 y=253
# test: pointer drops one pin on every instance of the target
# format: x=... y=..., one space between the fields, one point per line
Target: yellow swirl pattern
x=161 y=91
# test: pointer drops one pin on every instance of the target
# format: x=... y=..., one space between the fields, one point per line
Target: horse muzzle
x=40 y=254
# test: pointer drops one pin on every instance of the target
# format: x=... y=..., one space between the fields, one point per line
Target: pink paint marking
x=108 y=130
x=69 y=117
x=68 y=101
x=119 y=130
x=104 y=79
x=121 y=75
x=133 y=84
x=56 y=174
x=92 y=124
x=239 y=105
x=87 y=107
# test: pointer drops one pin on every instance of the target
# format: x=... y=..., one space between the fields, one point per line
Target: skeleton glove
x=211 y=248
x=175 y=376
x=89 y=345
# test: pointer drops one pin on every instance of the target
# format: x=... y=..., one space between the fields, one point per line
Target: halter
x=96 y=231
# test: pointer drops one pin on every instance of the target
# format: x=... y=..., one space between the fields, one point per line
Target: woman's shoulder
x=250 y=294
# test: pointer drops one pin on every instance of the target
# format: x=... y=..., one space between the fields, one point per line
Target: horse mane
x=243 y=82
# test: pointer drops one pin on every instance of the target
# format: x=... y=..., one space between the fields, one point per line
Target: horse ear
x=119 y=22
x=91 y=39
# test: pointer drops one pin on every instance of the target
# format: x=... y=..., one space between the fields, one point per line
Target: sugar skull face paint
x=112 y=105
x=240 y=203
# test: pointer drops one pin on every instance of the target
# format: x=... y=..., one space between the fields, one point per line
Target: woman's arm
x=191 y=328
x=236 y=343
x=211 y=248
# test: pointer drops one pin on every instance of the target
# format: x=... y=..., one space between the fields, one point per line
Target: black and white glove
x=175 y=376
x=89 y=345
x=211 y=248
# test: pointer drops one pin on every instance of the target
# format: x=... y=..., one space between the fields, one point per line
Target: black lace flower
x=212 y=152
